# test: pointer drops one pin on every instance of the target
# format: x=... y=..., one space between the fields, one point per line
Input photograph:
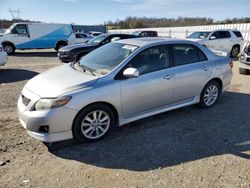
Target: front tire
x=235 y=51
x=210 y=94
x=93 y=123
x=9 y=48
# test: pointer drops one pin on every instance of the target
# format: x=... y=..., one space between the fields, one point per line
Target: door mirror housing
x=212 y=37
x=131 y=72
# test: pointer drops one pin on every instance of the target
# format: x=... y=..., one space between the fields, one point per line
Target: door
x=220 y=40
x=192 y=71
x=153 y=88
x=20 y=35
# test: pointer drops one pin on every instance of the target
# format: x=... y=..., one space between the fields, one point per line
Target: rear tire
x=9 y=48
x=93 y=123
x=243 y=71
x=210 y=94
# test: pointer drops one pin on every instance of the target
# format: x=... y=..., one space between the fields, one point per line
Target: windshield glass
x=97 y=40
x=104 y=59
x=136 y=33
x=199 y=35
x=10 y=29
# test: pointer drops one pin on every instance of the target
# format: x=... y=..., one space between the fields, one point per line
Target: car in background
x=94 y=33
x=3 y=56
x=82 y=37
x=33 y=35
x=145 y=33
x=118 y=83
x=226 y=40
x=244 y=60
x=75 y=52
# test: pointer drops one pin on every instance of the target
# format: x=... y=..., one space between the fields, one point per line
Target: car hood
x=59 y=80
x=195 y=40
x=76 y=46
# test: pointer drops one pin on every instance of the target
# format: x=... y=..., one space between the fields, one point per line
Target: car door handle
x=168 y=77
x=205 y=68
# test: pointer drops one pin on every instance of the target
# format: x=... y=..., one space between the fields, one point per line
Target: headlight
x=48 y=103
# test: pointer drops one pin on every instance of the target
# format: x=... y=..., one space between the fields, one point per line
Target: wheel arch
x=112 y=107
x=61 y=41
x=218 y=80
x=9 y=42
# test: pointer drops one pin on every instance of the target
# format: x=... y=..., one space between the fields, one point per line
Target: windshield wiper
x=85 y=68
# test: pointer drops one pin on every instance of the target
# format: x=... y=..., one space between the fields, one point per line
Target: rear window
x=237 y=33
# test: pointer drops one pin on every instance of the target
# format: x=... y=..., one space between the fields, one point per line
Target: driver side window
x=20 y=29
x=152 y=59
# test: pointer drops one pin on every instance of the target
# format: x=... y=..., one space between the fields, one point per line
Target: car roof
x=144 y=41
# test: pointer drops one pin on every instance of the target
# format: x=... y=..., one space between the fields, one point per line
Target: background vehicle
x=82 y=37
x=244 y=60
x=94 y=33
x=230 y=41
x=118 y=83
x=29 y=35
x=75 y=52
x=145 y=33
x=3 y=56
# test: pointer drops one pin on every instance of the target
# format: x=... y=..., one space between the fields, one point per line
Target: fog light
x=44 y=129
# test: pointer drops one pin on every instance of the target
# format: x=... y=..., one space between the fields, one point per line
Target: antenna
x=15 y=13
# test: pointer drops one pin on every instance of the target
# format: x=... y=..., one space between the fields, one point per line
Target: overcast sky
x=97 y=11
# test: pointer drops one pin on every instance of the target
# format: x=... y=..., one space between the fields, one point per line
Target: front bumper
x=244 y=61
x=59 y=120
x=66 y=58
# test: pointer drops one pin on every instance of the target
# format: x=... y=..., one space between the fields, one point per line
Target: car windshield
x=136 y=33
x=199 y=35
x=104 y=59
x=97 y=40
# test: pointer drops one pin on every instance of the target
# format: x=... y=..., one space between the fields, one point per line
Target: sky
x=91 y=12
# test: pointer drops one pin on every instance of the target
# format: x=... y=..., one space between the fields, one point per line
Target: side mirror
x=131 y=72
x=212 y=37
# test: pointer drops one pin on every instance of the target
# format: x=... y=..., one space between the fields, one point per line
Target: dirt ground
x=189 y=147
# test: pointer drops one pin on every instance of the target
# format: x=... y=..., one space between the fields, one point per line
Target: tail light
x=231 y=64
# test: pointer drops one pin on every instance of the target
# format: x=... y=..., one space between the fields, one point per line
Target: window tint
x=184 y=54
x=20 y=29
x=221 y=34
x=151 y=59
x=237 y=33
x=202 y=56
x=224 y=34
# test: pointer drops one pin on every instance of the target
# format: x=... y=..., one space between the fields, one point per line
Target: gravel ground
x=189 y=147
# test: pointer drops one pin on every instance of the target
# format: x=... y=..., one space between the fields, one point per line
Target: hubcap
x=95 y=124
x=211 y=95
x=8 y=49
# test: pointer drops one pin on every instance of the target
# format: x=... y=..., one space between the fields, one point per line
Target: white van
x=28 y=35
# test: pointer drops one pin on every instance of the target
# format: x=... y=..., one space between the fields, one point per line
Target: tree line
x=144 y=22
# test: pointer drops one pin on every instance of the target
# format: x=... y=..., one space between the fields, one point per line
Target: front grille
x=25 y=100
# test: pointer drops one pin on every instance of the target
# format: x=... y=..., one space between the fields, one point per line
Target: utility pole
x=15 y=14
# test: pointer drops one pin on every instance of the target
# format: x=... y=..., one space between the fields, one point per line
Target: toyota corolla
x=119 y=83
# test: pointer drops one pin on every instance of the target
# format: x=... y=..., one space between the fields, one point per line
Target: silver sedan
x=119 y=83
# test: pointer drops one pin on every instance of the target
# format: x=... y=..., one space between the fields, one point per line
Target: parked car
x=75 y=52
x=3 y=56
x=94 y=33
x=82 y=37
x=244 y=63
x=118 y=83
x=230 y=41
x=29 y=35
x=145 y=33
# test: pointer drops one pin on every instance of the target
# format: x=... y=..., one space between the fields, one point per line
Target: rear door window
x=238 y=34
x=187 y=53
